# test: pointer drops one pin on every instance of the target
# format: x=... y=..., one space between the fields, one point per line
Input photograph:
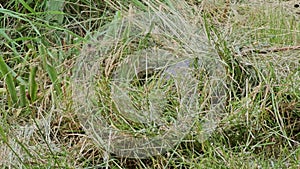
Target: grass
x=41 y=44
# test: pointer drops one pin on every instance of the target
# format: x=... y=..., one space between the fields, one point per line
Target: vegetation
x=42 y=44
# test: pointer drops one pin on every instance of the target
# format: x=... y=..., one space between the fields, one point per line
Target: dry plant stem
x=269 y=50
x=226 y=8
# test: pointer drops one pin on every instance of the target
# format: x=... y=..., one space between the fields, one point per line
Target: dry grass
x=261 y=129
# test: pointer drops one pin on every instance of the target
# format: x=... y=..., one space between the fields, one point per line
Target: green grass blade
x=19 y=16
x=23 y=101
x=13 y=43
x=51 y=71
x=54 y=78
x=8 y=80
x=26 y=6
x=139 y=4
x=32 y=84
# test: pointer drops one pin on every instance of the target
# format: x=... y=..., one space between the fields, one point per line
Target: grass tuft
x=257 y=43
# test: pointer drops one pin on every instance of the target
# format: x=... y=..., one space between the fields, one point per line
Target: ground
x=257 y=43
